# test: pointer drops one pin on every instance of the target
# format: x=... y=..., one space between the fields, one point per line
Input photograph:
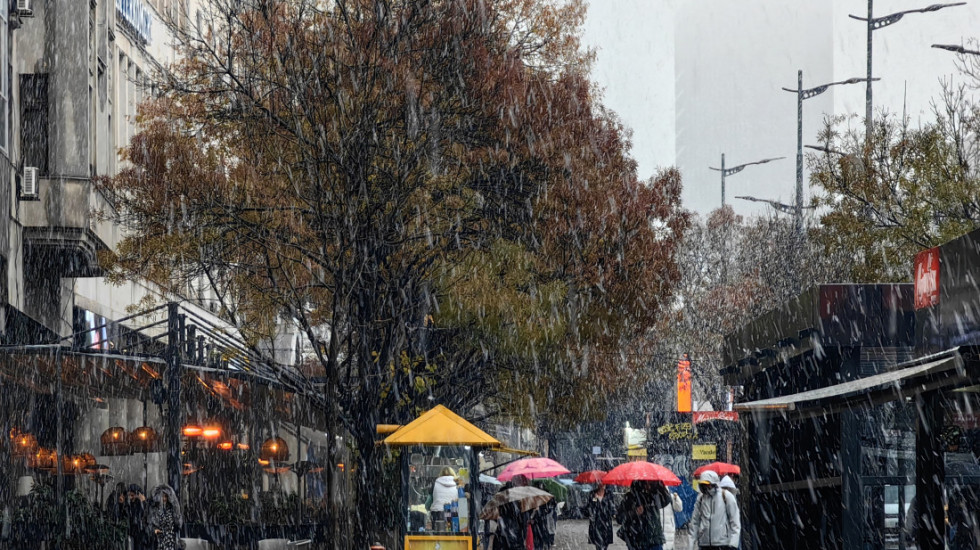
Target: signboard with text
x=704 y=452
x=137 y=16
x=684 y=384
x=927 y=278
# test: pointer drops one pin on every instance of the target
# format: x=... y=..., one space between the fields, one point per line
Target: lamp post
x=776 y=205
x=875 y=23
x=802 y=94
x=957 y=49
x=734 y=170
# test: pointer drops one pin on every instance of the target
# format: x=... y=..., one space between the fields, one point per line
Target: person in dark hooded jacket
x=601 y=511
x=164 y=518
x=135 y=514
x=116 y=505
x=639 y=515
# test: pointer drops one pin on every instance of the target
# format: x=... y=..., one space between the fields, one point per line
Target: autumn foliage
x=430 y=191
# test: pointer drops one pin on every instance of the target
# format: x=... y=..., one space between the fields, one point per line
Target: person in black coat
x=544 y=521
x=136 y=514
x=601 y=511
x=639 y=515
x=116 y=506
x=511 y=531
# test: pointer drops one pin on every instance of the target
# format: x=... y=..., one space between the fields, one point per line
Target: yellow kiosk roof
x=440 y=426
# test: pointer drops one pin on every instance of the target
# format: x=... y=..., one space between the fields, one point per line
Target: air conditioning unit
x=28 y=185
x=25 y=8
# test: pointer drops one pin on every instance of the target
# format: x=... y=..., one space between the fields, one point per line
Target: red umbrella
x=592 y=476
x=720 y=468
x=533 y=468
x=626 y=474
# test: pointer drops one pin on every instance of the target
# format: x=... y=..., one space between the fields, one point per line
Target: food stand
x=434 y=442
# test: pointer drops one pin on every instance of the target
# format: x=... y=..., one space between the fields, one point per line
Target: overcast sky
x=694 y=79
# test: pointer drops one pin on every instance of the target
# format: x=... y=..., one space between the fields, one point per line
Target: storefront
x=176 y=401
x=860 y=404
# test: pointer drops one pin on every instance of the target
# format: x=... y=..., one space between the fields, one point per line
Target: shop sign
x=704 y=452
x=137 y=16
x=678 y=431
x=684 y=384
x=705 y=416
x=927 y=278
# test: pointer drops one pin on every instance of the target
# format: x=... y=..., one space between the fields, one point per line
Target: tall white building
x=733 y=58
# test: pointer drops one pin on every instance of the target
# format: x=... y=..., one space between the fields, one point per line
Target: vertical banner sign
x=684 y=384
x=927 y=278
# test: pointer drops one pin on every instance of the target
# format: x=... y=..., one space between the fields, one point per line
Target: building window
x=34 y=120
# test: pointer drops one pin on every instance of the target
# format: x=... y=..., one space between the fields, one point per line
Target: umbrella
x=552 y=486
x=528 y=498
x=720 y=468
x=489 y=480
x=625 y=474
x=592 y=476
x=532 y=468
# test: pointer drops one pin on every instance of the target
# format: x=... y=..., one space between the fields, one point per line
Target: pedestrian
x=115 y=505
x=444 y=493
x=640 y=518
x=728 y=484
x=715 y=524
x=511 y=529
x=668 y=520
x=544 y=523
x=136 y=516
x=164 y=518
x=521 y=480
x=601 y=511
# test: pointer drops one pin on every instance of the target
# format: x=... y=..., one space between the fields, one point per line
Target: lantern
x=211 y=432
x=274 y=449
x=114 y=442
x=44 y=459
x=225 y=446
x=143 y=439
x=22 y=444
x=192 y=430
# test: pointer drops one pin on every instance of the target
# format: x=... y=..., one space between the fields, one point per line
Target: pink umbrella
x=533 y=468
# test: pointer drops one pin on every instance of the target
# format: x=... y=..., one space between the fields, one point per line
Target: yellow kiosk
x=434 y=446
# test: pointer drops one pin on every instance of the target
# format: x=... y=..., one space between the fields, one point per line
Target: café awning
x=948 y=369
x=440 y=426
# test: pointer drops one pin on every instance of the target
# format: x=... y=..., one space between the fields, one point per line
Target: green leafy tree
x=911 y=188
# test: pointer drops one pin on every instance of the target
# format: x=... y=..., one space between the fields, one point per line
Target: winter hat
x=727 y=483
x=709 y=477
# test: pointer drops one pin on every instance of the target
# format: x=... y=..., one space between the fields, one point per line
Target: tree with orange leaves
x=428 y=190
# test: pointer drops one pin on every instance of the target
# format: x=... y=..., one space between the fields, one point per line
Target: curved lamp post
x=734 y=170
x=875 y=23
x=802 y=94
x=957 y=49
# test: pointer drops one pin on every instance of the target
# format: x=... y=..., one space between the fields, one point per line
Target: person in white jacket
x=667 y=517
x=444 y=491
x=716 y=522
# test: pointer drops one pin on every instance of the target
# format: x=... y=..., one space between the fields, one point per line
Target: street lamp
x=802 y=94
x=875 y=23
x=955 y=48
x=734 y=170
x=778 y=206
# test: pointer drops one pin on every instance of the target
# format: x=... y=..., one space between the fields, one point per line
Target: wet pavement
x=573 y=534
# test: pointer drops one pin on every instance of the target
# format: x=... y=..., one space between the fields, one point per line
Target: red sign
x=705 y=416
x=684 y=385
x=927 y=278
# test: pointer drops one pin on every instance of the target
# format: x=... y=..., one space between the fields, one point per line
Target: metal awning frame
x=949 y=369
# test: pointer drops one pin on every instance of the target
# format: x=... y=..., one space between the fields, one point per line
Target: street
x=573 y=534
